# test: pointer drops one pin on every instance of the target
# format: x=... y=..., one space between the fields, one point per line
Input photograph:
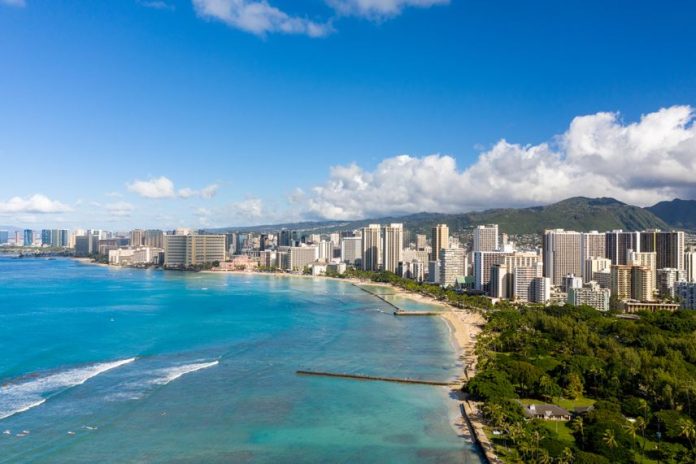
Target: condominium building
x=595 y=264
x=301 y=257
x=392 y=247
x=523 y=277
x=667 y=280
x=562 y=254
x=28 y=238
x=486 y=238
x=541 y=290
x=592 y=244
x=325 y=250
x=192 y=250
x=646 y=259
x=137 y=238
x=642 y=283
x=621 y=281
x=603 y=278
x=686 y=292
x=501 y=282
x=483 y=262
x=422 y=242
x=618 y=243
x=4 y=237
x=689 y=266
x=591 y=295
x=571 y=281
x=351 y=250
x=452 y=265
x=371 y=247
x=668 y=246
x=439 y=240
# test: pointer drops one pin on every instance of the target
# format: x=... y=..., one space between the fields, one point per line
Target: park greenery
x=639 y=376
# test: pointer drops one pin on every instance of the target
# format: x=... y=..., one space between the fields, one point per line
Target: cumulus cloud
x=159 y=187
x=250 y=208
x=162 y=187
x=36 y=204
x=640 y=163
x=17 y=3
x=119 y=209
x=379 y=9
x=258 y=17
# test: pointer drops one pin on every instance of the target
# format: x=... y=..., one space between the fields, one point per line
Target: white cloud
x=160 y=187
x=250 y=208
x=206 y=192
x=119 y=209
x=258 y=17
x=379 y=9
x=18 y=3
x=157 y=4
x=37 y=204
x=640 y=163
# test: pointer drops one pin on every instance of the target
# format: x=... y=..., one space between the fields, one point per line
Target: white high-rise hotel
x=393 y=245
x=371 y=247
x=486 y=238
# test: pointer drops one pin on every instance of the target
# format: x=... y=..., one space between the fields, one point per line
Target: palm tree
x=631 y=429
x=566 y=457
x=544 y=458
x=609 y=439
x=578 y=426
x=641 y=425
x=687 y=430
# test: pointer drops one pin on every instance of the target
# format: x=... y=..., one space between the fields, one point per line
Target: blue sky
x=306 y=109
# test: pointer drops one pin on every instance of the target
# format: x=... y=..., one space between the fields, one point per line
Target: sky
x=209 y=113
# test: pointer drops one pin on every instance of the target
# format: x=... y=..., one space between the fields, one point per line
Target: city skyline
x=178 y=113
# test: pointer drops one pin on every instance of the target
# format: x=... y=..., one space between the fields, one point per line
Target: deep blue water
x=116 y=365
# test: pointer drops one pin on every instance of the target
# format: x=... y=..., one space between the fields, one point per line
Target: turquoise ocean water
x=117 y=365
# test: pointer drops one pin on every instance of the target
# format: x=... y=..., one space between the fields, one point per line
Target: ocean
x=144 y=366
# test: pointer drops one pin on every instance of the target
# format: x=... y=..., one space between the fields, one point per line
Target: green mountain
x=579 y=213
x=678 y=213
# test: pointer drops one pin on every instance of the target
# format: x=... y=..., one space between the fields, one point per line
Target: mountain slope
x=678 y=213
x=579 y=213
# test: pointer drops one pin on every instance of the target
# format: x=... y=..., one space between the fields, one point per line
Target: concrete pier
x=378 y=378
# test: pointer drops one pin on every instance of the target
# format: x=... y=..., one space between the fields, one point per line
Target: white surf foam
x=137 y=389
x=27 y=394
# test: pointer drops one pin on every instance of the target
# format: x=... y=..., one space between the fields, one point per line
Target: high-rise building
x=439 y=240
x=595 y=264
x=153 y=238
x=571 y=281
x=4 y=237
x=452 y=265
x=523 y=276
x=45 y=237
x=689 y=265
x=371 y=247
x=351 y=250
x=192 y=250
x=392 y=247
x=645 y=258
x=421 y=242
x=642 y=283
x=28 y=237
x=483 y=262
x=285 y=238
x=486 y=238
x=618 y=243
x=668 y=246
x=667 y=279
x=301 y=257
x=325 y=250
x=686 y=292
x=621 y=281
x=541 y=290
x=593 y=244
x=137 y=238
x=591 y=295
x=86 y=245
x=562 y=254
x=501 y=281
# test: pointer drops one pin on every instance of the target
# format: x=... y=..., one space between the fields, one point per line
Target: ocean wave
x=27 y=394
x=136 y=389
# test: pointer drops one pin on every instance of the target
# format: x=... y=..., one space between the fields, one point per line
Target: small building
x=546 y=412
